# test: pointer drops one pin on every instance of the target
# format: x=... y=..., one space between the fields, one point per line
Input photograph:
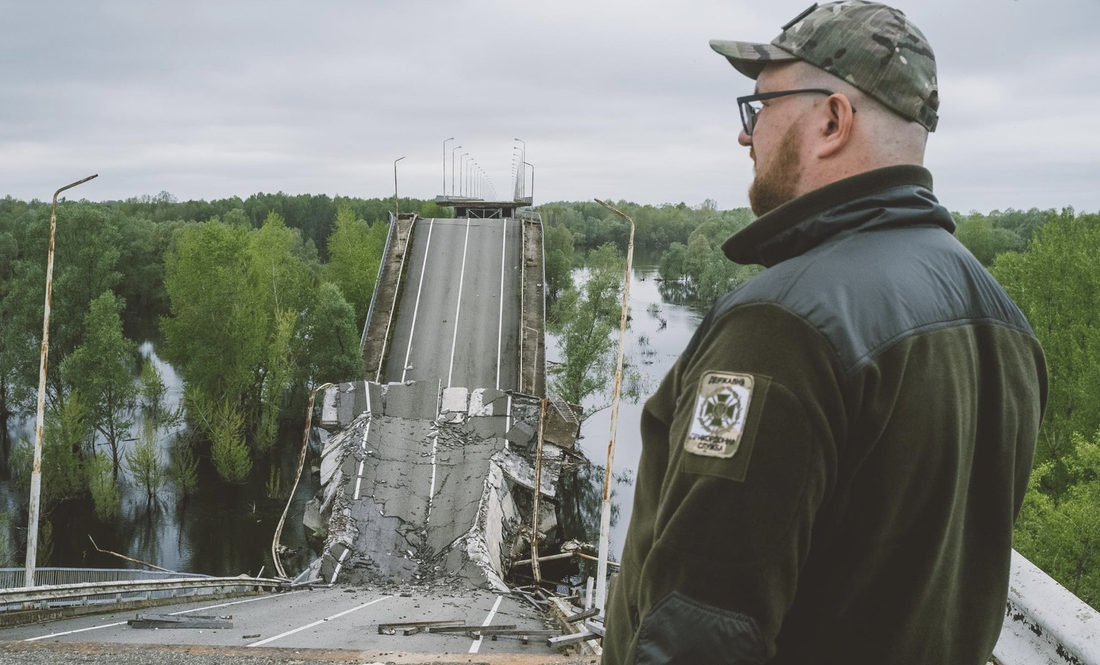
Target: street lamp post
x=605 y=509
x=461 y=172
x=445 y=164
x=522 y=158
x=395 y=209
x=36 y=469
x=453 y=168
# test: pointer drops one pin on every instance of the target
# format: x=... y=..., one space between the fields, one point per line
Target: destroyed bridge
x=428 y=466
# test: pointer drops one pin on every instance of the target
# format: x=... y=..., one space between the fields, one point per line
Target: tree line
x=1047 y=260
x=256 y=300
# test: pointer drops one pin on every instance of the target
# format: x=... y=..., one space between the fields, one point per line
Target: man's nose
x=744 y=139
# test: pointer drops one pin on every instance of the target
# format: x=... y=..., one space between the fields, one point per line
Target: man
x=831 y=471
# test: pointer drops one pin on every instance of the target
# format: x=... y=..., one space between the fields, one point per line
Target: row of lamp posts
x=468 y=185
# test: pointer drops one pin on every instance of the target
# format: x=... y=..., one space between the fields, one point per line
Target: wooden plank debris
x=582 y=615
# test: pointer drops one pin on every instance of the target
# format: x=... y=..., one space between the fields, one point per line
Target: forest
x=256 y=301
x=259 y=300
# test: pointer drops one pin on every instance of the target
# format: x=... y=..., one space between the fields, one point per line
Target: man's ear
x=836 y=129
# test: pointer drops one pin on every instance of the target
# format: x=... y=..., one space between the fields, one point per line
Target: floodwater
x=219 y=530
x=659 y=329
x=227 y=529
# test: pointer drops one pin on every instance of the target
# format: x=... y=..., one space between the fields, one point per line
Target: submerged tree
x=100 y=368
x=103 y=488
x=584 y=320
x=64 y=437
x=144 y=462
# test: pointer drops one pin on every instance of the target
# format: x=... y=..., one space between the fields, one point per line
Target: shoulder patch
x=721 y=410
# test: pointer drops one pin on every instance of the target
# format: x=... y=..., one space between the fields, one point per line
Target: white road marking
x=508 y=420
x=362 y=462
x=458 y=306
x=500 y=326
x=78 y=630
x=488 y=620
x=197 y=609
x=318 y=623
x=416 y=307
x=339 y=565
x=359 y=477
x=435 y=441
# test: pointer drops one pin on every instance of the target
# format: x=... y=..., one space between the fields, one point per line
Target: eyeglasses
x=748 y=111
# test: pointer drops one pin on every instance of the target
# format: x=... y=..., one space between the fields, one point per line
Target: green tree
x=355 y=252
x=101 y=369
x=103 y=487
x=144 y=462
x=1056 y=283
x=584 y=321
x=63 y=445
x=85 y=265
x=183 y=468
x=224 y=422
x=7 y=543
x=277 y=378
x=1063 y=536
x=217 y=332
x=281 y=276
x=154 y=395
x=984 y=240
x=560 y=257
x=329 y=340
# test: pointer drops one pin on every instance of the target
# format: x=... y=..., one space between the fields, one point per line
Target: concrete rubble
x=424 y=484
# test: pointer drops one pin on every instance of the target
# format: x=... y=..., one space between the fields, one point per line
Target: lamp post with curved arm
x=395 y=209
x=445 y=164
x=605 y=512
x=453 y=168
x=461 y=172
x=532 y=180
x=36 y=468
x=522 y=158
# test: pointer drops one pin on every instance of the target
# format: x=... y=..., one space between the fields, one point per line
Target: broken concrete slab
x=329 y=416
x=455 y=400
x=521 y=434
x=409 y=497
x=419 y=399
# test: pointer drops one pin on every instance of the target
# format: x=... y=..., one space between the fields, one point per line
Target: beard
x=777 y=181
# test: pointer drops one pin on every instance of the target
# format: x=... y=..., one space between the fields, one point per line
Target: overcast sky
x=623 y=100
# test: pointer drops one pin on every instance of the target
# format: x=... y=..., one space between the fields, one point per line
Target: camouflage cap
x=872 y=46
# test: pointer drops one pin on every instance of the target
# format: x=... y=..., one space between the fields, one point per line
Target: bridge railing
x=14 y=578
x=377 y=281
x=528 y=215
x=110 y=592
x=1045 y=623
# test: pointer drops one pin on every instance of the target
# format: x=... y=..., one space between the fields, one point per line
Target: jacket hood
x=890 y=196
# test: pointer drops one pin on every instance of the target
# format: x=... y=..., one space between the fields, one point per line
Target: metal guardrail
x=1045 y=623
x=528 y=215
x=377 y=281
x=112 y=592
x=14 y=578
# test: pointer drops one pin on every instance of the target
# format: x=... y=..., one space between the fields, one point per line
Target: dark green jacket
x=831 y=471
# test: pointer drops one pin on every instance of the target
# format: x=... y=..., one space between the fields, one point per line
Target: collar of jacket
x=894 y=195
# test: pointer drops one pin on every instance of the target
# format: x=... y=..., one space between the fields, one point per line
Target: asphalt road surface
x=327 y=619
x=458 y=317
